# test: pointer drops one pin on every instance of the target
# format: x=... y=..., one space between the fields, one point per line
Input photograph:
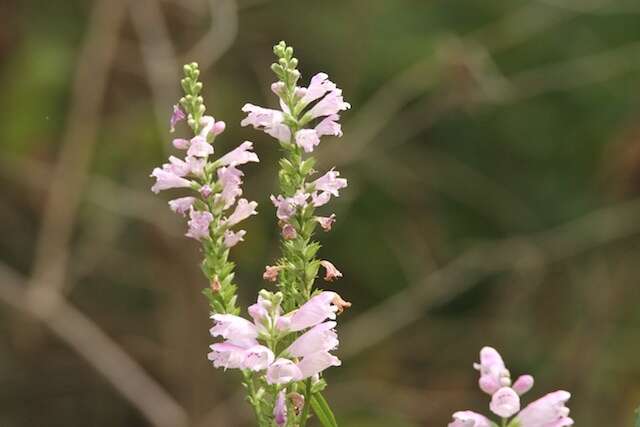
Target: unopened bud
x=289 y=232
x=340 y=303
x=215 y=285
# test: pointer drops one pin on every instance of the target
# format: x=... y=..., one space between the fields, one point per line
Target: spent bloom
x=495 y=380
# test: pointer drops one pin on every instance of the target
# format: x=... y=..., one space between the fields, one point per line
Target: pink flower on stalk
x=226 y=355
x=548 y=411
x=199 y=147
x=280 y=409
x=258 y=358
x=505 y=402
x=260 y=117
x=330 y=183
x=469 y=419
x=199 y=224
x=307 y=139
x=283 y=371
x=523 y=384
x=244 y=209
x=331 y=271
x=230 y=178
x=331 y=104
x=177 y=116
x=318 y=309
x=284 y=208
x=326 y=222
x=315 y=363
x=181 y=205
x=240 y=155
x=232 y=238
x=320 y=338
x=271 y=273
x=329 y=126
x=492 y=370
x=181 y=143
x=166 y=180
x=206 y=191
x=235 y=329
x=289 y=232
x=320 y=199
x=318 y=87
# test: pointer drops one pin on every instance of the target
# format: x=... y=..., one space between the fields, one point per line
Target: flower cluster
x=214 y=207
x=495 y=380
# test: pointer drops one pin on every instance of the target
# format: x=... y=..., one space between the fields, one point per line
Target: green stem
x=253 y=399
x=307 y=403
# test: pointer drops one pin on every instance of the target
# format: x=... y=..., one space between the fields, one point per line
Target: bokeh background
x=493 y=156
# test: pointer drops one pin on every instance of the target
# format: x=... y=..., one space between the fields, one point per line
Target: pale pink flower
x=232 y=238
x=271 y=273
x=195 y=165
x=244 y=209
x=226 y=355
x=199 y=147
x=166 y=180
x=320 y=199
x=278 y=88
x=523 y=384
x=318 y=87
x=199 y=224
x=259 y=311
x=283 y=371
x=285 y=209
x=230 y=178
x=331 y=104
x=279 y=131
x=177 y=116
x=218 y=128
x=548 y=411
x=326 y=222
x=315 y=363
x=330 y=183
x=492 y=369
x=505 y=402
x=240 y=155
x=260 y=117
x=280 y=409
x=329 y=126
x=176 y=166
x=318 y=309
x=307 y=139
x=469 y=419
x=258 y=358
x=181 y=143
x=289 y=232
x=235 y=329
x=181 y=205
x=207 y=123
x=206 y=191
x=331 y=271
x=320 y=338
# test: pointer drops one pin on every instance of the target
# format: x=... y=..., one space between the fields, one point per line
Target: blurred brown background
x=493 y=155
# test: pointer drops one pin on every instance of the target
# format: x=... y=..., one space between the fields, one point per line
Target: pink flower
x=505 y=402
x=283 y=371
x=329 y=126
x=218 y=128
x=166 y=180
x=234 y=329
x=320 y=199
x=232 y=238
x=240 y=155
x=326 y=222
x=176 y=166
x=289 y=232
x=523 y=384
x=319 y=85
x=271 y=273
x=207 y=123
x=258 y=358
x=181 y=205
x=318 y=309
x=230 y=178
x=331 y=104
x=177 y=116
x=307 y=139
x=280 y=409
x=330 y=183
x=206 y=191
x=548 y=411
x=226 y=355
x=469 y=419
x=492 y=369
x=181 y=143
x=195 y=165
x=260 y=117
x=320 y=338
x=199 y=224
x=317 y=362
x=259 y=311
x=285 y=208
x=199 y=147
x=244 y=209
x=331 y=271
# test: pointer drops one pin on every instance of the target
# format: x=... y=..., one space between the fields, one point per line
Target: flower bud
x=215 y=285
x=289 y=232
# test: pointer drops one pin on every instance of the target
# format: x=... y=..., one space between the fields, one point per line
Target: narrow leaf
x=322 y=411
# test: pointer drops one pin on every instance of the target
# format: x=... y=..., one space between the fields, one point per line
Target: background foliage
x=493 y=153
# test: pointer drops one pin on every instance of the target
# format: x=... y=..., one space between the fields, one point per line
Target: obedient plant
x=283 y=349
x=495 y=380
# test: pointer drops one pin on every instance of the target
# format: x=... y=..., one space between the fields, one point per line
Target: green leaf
x=322 y=411
x=638 y=417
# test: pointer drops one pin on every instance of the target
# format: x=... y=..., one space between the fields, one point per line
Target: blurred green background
x=493 y=158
